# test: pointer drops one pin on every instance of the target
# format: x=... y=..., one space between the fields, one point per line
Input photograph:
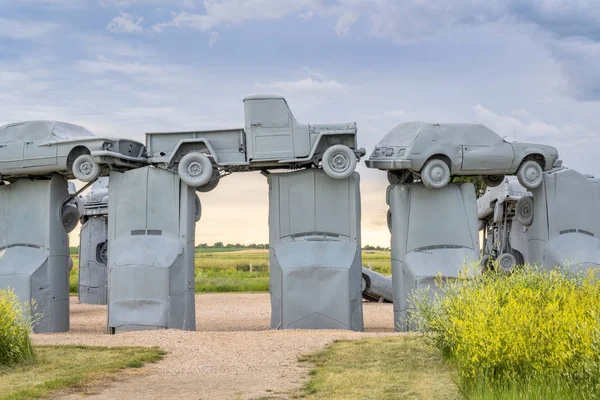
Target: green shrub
x=15 y=327
x=529 y=326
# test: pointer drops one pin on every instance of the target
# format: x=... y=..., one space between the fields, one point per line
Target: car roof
x=405 y=133
x=42 y=128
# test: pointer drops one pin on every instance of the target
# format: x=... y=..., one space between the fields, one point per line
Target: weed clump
x=15 y=328
x=514 y=330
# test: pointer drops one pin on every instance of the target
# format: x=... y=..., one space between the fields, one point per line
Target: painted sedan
x=436 y=152
x=37 y=148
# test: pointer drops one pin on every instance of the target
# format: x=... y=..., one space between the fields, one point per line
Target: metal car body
x=38 y=148
x=467 y=148
x=95 y=202
x=272 y=138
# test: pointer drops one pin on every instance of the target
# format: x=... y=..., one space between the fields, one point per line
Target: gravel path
x=232 y=354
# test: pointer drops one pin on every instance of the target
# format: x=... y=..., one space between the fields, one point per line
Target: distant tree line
x=221 y=245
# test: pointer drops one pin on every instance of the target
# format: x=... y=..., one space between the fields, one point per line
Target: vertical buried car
x=38 y=148
x=436 y=152
x=272 y=138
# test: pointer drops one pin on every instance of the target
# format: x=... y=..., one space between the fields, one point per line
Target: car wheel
x=389 y=220
x=102 y=253
x=530 y=174
x=524 y=211
x=435 y=174
x=197 y=208
x=214 y=181
x=486 y=265
x=85 y=168
x=195 y=169
x=365 y=283
x=492 y=180
x=506 y=262
x=69 y=217
x=339 y=161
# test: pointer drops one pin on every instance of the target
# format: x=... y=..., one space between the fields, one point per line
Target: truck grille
x=130 y=148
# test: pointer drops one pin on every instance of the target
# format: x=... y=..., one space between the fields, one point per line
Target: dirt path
x=231 y=355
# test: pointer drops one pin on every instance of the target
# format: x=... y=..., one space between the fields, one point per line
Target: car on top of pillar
x=272 y=138
x=40 y=148
x=436 y=152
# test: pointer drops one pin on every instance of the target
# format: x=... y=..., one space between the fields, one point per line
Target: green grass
x=15 y=329
x=67 y=367
x=227 y=269
x=401 y=367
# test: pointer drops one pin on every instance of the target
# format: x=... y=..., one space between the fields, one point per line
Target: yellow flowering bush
x=15 y=327
x=527 y=325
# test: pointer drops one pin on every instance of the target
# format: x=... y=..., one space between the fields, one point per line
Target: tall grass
x=15 y=328
x=532 y=331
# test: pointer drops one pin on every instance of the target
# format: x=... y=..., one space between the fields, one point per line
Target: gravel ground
x=232 y=355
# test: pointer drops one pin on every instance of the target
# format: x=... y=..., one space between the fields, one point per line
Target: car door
x=11 y=149
x=40 y=147
x=272 y=131
x=485 y=152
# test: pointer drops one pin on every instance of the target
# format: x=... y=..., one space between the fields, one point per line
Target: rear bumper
x=389 y=164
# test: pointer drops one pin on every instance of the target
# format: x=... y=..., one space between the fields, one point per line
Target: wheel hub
x=86 y=168
x=437 y=174
x=531 y=174
x=339 y=162
x=195 y=169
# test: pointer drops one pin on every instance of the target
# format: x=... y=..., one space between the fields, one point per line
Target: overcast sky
x=528 y=69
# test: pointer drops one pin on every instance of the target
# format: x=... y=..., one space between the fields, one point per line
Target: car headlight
x=402 y=152
x=376 y=152
x=107 y=146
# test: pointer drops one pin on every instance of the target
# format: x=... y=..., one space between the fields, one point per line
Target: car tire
x=435 y=174
x=195 y=169
x=399 y=178
x=492 y=180
x=197 y=208
x=524 y=211
x=365 y=283
x=485 y=264
x=389 y=220
x=85 y=168
x=69 y=217
x=102 y=253
x=506 y=262
x=214 y=181
x=339 y=161
x=530 y=174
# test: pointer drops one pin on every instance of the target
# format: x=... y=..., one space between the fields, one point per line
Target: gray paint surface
x=34 y=249
x=150 y=251
x=376 y=286
x=434 y=233
x=315 y=251
x=93 y=279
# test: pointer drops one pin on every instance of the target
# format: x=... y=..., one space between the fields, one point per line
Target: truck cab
x=272 y=132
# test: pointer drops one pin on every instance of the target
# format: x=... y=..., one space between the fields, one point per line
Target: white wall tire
x=339 y=161
x=530 y=174
x=435 y=174
x=195 y=169
x=69 y=217
x=524 y=211
x=85 y=168
x=506 y=262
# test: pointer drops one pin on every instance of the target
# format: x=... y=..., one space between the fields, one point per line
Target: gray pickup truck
x=272 y=138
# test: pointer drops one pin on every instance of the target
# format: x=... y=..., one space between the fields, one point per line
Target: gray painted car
x=271 y=139
x=436 y=152
x=38 y=148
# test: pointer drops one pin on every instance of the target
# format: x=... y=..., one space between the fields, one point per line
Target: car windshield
x=67 y=131
x=402 y=135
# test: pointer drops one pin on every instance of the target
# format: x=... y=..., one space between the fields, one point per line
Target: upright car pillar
x=152 y=217
x=315 y=251
x=34 y=249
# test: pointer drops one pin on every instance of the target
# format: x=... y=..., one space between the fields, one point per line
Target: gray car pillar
x=434 y=234
x=93 y=279
x=315 y=251
x=150 y=251
x=34 y=249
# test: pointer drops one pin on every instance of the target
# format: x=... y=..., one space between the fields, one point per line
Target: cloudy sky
x=527 y=68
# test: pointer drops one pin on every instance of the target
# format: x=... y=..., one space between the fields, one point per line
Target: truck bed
x=225 y=144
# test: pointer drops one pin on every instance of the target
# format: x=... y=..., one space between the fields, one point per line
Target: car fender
x=193 y=141
x=453 y=152
x=325 y=134
x=522 y=151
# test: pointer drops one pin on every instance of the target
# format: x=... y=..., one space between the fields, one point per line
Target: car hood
x=82 y=139
x=402 y=135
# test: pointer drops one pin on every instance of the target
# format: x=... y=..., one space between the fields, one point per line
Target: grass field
x=402 y=367
x=65 y=367
x=241 y=270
